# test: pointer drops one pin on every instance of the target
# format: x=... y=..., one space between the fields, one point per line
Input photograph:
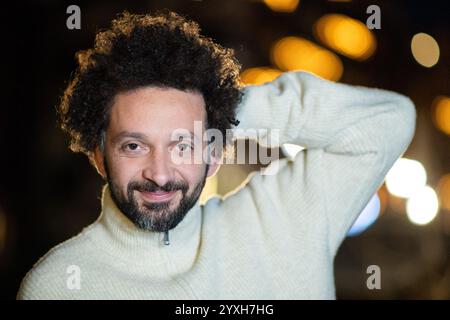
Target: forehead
x=155 y=111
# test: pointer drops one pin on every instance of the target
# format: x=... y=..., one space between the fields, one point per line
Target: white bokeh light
x=422 y=206
x=406 y=177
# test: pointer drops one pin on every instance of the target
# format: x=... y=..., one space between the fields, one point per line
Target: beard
x=154 y=216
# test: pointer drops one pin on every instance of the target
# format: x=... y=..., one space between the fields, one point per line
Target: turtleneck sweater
x=276 y=236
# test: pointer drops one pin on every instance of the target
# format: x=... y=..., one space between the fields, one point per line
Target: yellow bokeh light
x=345 y=35
x=259 y=75
x=405 y=177
x=294 y=53
x=423 y=206
x=282 y=5
x=441 y=113
x=425 y=49
x=384 y=198
x=444 y=191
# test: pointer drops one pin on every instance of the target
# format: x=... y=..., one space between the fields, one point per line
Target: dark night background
x=48 y=194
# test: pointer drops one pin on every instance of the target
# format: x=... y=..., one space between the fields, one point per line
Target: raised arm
x=352 y=135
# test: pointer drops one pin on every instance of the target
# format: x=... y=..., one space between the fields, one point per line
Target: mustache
x=151 y=186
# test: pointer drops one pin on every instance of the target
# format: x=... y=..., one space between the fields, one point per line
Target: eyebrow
x=128 y=134
x=190 y=135
x=141 y=136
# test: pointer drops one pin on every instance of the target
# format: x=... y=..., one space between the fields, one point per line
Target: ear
x=213 y=168
x=214 y=164
x=99 y=162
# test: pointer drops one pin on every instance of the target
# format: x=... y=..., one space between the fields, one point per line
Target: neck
x=148 y=248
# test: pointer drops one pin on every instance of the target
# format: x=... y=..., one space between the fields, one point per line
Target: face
x=139 y=157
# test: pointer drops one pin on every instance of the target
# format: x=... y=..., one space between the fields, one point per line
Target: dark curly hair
x=162 y=50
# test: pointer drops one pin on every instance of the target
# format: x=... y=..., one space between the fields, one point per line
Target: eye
x=131 y=146
x=183 y=146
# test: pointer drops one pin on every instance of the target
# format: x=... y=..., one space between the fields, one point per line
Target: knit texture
x=277 y=235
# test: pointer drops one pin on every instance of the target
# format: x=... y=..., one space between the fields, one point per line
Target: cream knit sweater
x=274 y=238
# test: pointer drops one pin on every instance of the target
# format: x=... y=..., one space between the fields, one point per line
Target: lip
x=158 y=196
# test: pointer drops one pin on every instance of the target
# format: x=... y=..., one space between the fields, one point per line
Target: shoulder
x=48 y=277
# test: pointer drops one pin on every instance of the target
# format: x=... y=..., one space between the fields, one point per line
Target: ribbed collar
x=146 y=249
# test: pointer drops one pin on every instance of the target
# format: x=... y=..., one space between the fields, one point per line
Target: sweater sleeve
x=352 y=136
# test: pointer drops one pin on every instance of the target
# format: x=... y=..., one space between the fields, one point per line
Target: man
x=276 y=237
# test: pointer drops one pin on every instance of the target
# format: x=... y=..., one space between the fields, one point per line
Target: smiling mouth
x=158 y=195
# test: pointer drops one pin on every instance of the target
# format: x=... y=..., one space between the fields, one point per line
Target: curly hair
x=162 y=50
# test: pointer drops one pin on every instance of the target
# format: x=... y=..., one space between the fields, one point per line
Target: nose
x=159 y=167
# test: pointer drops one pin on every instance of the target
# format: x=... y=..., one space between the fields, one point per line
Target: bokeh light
x=425 y=49
x=383 y=195
x=441 y=113
x=282 y=5
x=294 y=53
x=444 y=191
x=259 y=75
x=346 y=36
x=405 y=177
x=367 y=217
x=422 y=206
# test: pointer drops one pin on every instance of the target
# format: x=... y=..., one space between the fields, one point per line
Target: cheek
x=123 y=171
x=192 y=174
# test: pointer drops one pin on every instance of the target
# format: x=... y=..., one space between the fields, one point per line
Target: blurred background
x=48 y=194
